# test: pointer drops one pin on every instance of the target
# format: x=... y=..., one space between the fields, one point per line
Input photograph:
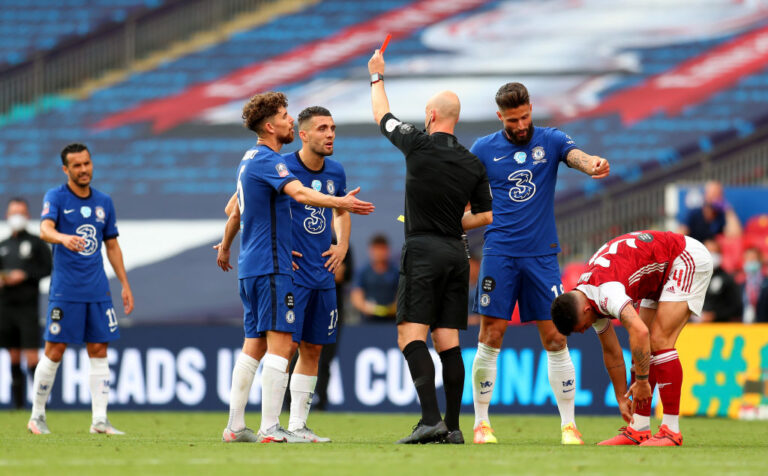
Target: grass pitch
x=190 y=443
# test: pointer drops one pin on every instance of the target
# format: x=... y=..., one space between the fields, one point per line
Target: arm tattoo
x=642 y=359
x=578 y=160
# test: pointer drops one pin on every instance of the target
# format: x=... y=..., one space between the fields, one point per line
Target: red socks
x=668 y=375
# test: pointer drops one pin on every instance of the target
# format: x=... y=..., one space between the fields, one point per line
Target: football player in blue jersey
x=265 y=187
x=313 y=282
x=77 y=219
x=520 y=252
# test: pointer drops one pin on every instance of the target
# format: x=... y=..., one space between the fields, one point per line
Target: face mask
x=751 y=267
x=17 y=222
x=716 y=260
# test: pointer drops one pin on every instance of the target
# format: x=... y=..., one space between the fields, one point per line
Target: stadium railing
x=586 y=223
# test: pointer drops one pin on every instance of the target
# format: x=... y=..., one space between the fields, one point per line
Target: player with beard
x=265 y=187
x=77 y=219
x=520 y=251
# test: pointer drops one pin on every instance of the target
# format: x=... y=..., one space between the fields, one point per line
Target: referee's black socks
x=453 y=381
x=423 y=375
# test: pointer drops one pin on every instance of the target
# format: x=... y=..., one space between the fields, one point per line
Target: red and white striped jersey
x=630 y=268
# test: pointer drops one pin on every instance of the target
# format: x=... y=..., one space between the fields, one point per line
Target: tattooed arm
x=593 y=165
x=640 y=345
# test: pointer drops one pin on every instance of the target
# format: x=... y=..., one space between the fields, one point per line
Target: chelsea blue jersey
x=79 y=276
x=523 y=184
x=312 y=232
x=265 y=214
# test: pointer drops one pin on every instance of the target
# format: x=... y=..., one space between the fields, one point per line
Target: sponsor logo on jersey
x=406 y=128
x=25 y=249
x=100 y=214
x=645 y=237
x=520 y=157
x=331 y=187
x=84 y=211
x=282 y=170
x=538 y=155
x=68 y=211
x=290 y=317
x=671 y=290
x=391 y=124
x=317 y=185
x=496 y=159
x=489 y=284
x=485 y=300
x=54 y=328
x=56 y=314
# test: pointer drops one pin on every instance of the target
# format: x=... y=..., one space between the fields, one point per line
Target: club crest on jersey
x=100 y=214
x=538 y=155
x=290 y=316
x=282 y=169
x=485 y=300
x=317 y=185
x=54 y=328
x=331 y=187
x=85 y=212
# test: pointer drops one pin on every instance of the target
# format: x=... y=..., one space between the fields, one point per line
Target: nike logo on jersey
x=496 y=159
x=67 y=212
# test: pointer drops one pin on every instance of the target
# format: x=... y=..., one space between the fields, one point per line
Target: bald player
x=441 y=178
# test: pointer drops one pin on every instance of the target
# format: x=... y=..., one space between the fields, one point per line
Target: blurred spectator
x=753 y=281
x=722 y=302
x=24 y=259
x=375 y=291
x=761 y=312
x=713 y=218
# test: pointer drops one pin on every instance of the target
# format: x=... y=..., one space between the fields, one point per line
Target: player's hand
x=293 y=263
x=14 y=277
x=127 y=296
x=336 y=254
x=376 y=63
x=625 y=407
x=641 y=393
x=222 y=257
x=352 y=204
x=73 y=243
x=600 y=168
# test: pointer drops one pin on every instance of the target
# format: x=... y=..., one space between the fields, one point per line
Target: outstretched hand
x=222 y=258
x=352 y=204
x=600 y=168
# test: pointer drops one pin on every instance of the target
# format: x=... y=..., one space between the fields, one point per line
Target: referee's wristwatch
x=376 y=77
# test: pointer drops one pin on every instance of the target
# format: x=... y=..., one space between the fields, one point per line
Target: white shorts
x=688 y=278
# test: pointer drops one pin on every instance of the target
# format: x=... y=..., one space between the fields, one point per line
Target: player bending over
x=667 y=274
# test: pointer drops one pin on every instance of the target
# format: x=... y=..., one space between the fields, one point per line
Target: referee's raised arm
x=379 y=100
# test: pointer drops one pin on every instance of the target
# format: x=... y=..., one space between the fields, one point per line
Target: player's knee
x=553 y=341
x=493 y=334
x=55 y=350
x=659 y=341
x=310 y=351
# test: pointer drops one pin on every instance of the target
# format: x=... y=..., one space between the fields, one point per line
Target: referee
x=441 y=178
x=24 y=260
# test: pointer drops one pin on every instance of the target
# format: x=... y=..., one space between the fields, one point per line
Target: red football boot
x=628 y=436
x=665 y=437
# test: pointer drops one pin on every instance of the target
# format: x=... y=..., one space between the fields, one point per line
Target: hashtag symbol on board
x=720 y=377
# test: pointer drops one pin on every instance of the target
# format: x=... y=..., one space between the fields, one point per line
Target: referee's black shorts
x=19 y=326
x=434 y=282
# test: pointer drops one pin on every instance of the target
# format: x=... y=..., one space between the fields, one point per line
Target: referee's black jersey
x=30 y=254
x=441 y=177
